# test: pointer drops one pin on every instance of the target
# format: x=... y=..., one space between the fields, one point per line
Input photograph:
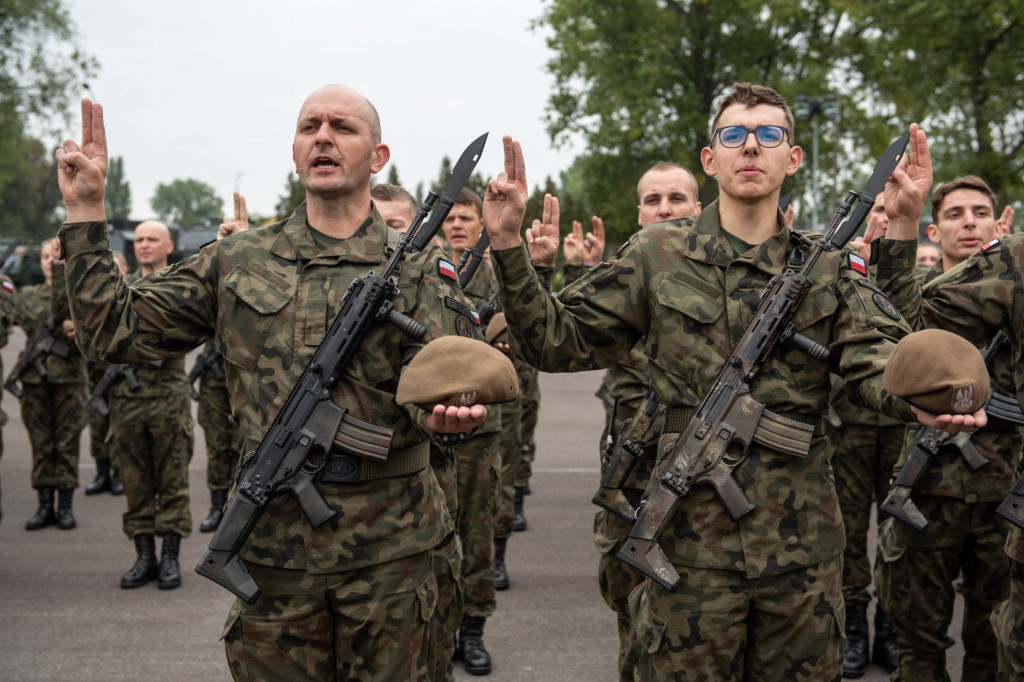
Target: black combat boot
x=519 y=519
x=116 y=487
x=475 y=658
x=65 y=515
x=885 y=651
x=100 y=484
x=855 y=651
x=170 y=573
x=44 y=516
x=500 y=574
x=145 y=568
x=217 y=500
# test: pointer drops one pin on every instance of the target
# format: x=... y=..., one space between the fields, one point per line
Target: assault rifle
x=728 y=416
x=4 y=266
x=296 y=446
x=636 y=431
x=42 y=344
x=98 y=397
x=475 y=256
x=927 y=443
x=209 y=359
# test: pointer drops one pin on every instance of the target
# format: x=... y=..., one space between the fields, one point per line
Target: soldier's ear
x=381 y=155
x=707 y=160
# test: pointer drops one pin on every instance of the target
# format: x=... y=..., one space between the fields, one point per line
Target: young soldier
x=964 y=534
x=760 y=598
x=351 y=597
x=396 y=206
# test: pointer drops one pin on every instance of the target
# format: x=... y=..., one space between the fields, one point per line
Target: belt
x=787 y=432
x=344 y=467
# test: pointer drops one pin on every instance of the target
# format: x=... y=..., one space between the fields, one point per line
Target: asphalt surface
x=63 y=615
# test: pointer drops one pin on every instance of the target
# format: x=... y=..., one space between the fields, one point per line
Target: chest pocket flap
x=692 y=297
x=255 y=296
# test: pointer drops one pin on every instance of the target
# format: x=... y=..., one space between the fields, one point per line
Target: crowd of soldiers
x=779 y=590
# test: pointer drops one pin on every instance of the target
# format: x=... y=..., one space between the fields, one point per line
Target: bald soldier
x=151 y=431
x=350 y=599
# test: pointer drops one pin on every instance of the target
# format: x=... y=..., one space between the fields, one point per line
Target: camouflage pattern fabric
x=915 y=585
x=7 y=307
x=725 y=626
x=99 y=424
x=364 y=625
x=223 y=437
x=529 y=388
x=448 y=613
x=266 y=296
x=682 y=285
x=863 y=462
x=52 y=407
x=511 y=455
x=1008 y=617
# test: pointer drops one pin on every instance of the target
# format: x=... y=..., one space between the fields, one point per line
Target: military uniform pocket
x=253 y=298
x=426 y=597
x=700 y=311
x=233 y=616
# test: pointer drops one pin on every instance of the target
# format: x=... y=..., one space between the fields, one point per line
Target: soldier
x=760 y=598
x=353 y=596
x=52 y=404
x=964 y=533
x=396 y=206
x=8 y=302
x=479 y=470
x=107 y=479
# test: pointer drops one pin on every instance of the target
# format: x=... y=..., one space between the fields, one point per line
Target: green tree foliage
x=294 y=194
x=956 y=69
x=30 y=196
x=118 y=196
x=393 y=175
x=188 y=203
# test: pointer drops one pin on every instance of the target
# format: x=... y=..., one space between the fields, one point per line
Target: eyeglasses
x=736 y=136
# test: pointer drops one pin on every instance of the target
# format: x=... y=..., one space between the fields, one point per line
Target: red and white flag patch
x=857 y=263
x=476 y=318
x=8 y=285
x=990 y=244
x=447 y=270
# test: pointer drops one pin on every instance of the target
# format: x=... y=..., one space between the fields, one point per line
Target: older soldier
x=352 y=597
x=52 y=403
x=760 y=598
x=964 y=533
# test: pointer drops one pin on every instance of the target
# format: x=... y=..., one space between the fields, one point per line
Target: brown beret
x=497 y=329
x=939 y=372
x=456 y=370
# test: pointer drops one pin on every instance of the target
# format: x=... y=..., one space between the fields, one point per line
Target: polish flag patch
x=990 y=244
x=476 y=318
x=857 y=263
x=8 y=286
x=447 y=270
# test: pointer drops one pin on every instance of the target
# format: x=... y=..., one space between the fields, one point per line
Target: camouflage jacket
x=680 y=284
x=8 y=303
x=266 y=296
x=34 y=304
x=983 y=294
x=949 y=475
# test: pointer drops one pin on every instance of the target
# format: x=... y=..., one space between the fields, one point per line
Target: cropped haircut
x=751 y=95
x=663 y=166
x=468 y=197
x=963 y=182
x=388 y=192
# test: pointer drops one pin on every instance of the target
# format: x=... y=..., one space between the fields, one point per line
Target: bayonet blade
x=461 y=173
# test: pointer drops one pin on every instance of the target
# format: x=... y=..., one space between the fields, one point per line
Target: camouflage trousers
x=448 y=612
x=222 y=434
x=722 y=625
x=99 y=426
x=915 y=585
x=54 y=416
x=511 y=456
x=863 y=461
x=1008 y=625
x=529 y=389
x=365 y=625
x=617 y=580
x=153 y=440
x=479 y=489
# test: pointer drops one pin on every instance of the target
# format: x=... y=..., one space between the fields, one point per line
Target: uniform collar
x=295 y=241
x=709 y=244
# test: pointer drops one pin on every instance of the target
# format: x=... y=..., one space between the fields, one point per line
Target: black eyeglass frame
x=787 y=135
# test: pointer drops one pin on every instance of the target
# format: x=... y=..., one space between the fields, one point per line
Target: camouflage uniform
x=220 y=430
x=761 y=597
x=52 y=407
x=353 y=597
x=7 y=306
x=964 y=532
x=152 y=432
x=99 y=424
x=529 y=389
x=446 y=561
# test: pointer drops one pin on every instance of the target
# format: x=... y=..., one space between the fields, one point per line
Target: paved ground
x=65 y=618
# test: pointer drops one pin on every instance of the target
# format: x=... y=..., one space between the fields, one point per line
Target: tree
x=118 y=196
x=187 y=203
x=393 y=175
x=31 y=197
x=956 y=69
x=294 y=194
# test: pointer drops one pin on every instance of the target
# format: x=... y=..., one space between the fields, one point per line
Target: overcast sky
x=211 y=90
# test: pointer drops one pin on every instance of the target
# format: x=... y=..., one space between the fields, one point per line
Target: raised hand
x=1004 y=225
x=505 y=199
x=542 y=237
x=593 y=245
x=82 y=168
x=239 y=223
x=572 y=245
x=908 y=187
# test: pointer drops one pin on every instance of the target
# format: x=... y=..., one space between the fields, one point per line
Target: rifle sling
x=789 y=432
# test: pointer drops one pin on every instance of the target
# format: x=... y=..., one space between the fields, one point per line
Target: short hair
x=468 y=197
x=963 y=182
x=752 y=95
x=663 y=166
x=389 y=192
